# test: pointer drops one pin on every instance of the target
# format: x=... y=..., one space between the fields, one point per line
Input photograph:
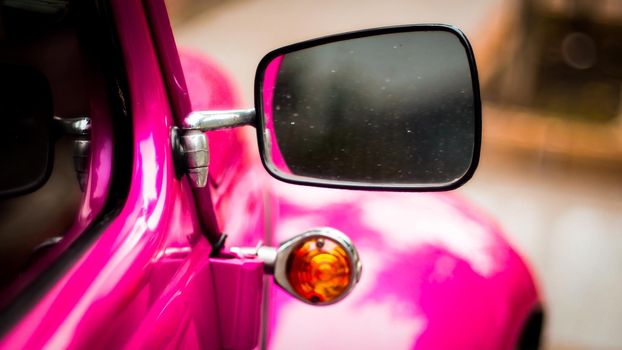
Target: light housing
x=319 y=266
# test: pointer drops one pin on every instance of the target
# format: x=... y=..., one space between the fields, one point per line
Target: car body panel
x=119 y=282
x=437 y=273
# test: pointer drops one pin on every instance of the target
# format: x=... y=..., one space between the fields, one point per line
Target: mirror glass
x=26 y=115
x=397 y=110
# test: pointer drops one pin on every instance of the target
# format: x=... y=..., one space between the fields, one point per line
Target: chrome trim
x=194 y=141
x=48 y=243
x=79 y=126
x=196 y=152
x=81 y=151
x=268 y=255
x=214 y=120
x=279 y=264
x=81 y=154
x=265 y=253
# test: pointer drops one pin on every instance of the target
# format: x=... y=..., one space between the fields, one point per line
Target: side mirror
x=26 y=150
x=391 y=108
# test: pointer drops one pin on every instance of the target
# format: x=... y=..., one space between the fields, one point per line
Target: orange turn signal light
x=319 y=270
x=319 y=267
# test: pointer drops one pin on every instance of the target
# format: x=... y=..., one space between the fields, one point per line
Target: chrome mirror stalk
x=215 y=120
x=80 y=126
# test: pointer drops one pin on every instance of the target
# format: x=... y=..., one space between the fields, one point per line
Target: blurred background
x=550 y=171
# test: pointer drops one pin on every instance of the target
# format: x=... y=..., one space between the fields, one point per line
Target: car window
x=46 y=70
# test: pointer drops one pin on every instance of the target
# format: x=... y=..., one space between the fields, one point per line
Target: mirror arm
x=80 y=126
x=215 y=120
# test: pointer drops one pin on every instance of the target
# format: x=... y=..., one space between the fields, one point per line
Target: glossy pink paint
x=170 y=64
x=179 y=98
x=239 y=300
x=95 y=192
x=437 y=273
x=127 y=288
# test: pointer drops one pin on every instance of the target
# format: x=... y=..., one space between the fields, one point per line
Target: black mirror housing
x=393 y=108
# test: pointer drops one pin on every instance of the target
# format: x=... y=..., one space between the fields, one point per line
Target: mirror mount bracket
x=194 y=141
x=196 y=153
x=80 y=129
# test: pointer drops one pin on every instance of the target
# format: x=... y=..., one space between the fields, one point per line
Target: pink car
x=135 y=211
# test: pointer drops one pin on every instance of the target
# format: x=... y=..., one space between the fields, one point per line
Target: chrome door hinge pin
x=196 y=151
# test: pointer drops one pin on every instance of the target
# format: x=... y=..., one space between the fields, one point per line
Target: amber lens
x=319 y=270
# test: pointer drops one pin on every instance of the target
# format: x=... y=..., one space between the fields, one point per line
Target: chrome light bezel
x=286 y=248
